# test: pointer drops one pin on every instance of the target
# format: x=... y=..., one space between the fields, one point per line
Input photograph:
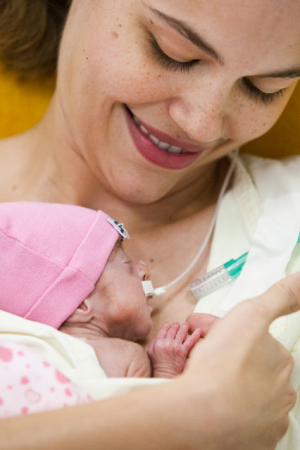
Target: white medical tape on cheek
x=273 y=243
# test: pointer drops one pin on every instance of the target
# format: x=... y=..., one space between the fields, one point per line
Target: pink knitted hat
x=51 y=256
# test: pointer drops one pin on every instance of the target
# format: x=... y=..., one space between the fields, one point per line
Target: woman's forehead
x=270 y=25
x=263 y=28
x=235 y=9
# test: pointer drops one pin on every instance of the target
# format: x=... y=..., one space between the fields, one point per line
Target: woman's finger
x=281 y=299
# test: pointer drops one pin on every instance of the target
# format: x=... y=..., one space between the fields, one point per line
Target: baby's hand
x=170 y=348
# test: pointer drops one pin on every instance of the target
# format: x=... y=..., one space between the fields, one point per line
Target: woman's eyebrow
x=187 y=32
x=294 y=72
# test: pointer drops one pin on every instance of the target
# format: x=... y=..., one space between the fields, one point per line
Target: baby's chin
x=142 y=332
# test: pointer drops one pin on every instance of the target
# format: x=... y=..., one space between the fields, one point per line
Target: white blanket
x=73 y=357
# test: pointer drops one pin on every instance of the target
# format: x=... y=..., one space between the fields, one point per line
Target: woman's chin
x=142 y=191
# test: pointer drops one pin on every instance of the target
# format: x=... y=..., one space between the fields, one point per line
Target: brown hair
x=30 y=32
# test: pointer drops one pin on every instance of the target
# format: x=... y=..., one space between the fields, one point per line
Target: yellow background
x=22 y=104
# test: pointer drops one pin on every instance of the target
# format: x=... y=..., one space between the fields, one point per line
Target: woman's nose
x=202 y=116
x=142 y=270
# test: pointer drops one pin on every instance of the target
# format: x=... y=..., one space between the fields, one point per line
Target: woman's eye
x=258 y=95
x=166 y=61
x=171 y=64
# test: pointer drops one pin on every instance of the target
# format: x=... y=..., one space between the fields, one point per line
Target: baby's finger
x=151 y=347
x=172 y=331
x=182 y=332
x=192 y=339
x=162 y=332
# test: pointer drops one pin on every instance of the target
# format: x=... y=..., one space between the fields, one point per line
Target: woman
x=151 y=98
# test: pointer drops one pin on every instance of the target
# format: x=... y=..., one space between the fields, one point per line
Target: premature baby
x=64 y=266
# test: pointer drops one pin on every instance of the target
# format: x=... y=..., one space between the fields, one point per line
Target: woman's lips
x=150 y=151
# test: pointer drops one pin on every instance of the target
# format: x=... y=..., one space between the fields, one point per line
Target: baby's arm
x=169 y=350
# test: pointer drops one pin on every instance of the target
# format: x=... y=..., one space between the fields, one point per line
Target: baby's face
x=119 y=290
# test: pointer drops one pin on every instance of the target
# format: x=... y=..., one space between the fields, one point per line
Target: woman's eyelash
x=173 y=65
x=167 y=62
x=257 y=94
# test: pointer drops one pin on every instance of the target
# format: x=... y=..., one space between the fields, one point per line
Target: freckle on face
x=115 y=35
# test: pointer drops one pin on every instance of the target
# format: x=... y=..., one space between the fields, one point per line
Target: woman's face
x=201 y=76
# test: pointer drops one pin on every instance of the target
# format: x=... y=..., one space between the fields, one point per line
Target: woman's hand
x=246 y=372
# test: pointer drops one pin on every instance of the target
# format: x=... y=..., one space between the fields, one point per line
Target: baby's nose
x=143 y=271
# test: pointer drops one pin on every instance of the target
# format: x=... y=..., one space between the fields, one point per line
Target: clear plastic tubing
x=218 y=277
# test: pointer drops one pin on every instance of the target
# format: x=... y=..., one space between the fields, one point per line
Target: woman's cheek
x=253 y=119
x=136 y=80
x=132 y=75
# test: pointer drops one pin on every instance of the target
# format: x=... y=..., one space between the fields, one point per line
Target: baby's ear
x=83 y=313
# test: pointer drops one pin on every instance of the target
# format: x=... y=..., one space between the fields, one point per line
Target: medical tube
x=219 y=277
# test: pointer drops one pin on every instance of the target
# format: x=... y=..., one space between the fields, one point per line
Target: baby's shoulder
x=137 y=360
x=121 y=358
x=119 y=345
